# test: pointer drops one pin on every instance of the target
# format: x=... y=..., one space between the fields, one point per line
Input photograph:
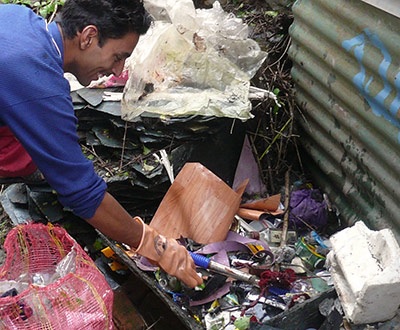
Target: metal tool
x=207 y=263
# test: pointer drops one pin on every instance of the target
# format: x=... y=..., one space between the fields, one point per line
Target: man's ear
x=88 y=36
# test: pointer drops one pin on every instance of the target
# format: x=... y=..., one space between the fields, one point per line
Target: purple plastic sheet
x=307 y=206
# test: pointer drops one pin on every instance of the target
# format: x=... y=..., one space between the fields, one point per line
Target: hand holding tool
x=172 y=257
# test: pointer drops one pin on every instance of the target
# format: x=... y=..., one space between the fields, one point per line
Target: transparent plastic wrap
x=192 y=62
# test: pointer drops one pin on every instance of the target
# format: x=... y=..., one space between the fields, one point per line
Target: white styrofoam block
x=365 y=269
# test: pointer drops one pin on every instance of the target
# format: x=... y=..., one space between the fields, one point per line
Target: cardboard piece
x=268 y=204
x=255 y=210
x=198 y=205
x=250 y=214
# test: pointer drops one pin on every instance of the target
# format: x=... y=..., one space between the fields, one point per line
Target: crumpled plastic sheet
x=192 y=62
x=307 y=206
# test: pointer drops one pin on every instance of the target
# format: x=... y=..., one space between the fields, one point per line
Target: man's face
x=96 y=61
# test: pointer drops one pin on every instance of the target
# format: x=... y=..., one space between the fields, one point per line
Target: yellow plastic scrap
x=113 y=260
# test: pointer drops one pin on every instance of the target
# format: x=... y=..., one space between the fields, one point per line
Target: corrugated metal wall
x=346 y=56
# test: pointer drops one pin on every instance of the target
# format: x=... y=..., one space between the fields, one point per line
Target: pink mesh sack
x=49 y=282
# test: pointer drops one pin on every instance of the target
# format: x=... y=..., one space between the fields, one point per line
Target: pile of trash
x=263 y=264
x=253 y=269
x=260 y=260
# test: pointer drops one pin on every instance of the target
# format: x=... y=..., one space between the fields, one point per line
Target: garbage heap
x=253 y=268
x=266 y=264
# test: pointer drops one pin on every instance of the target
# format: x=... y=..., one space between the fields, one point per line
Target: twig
x=102 y=162
x=135 y=159
x=123 y=146
x=54 y=12
x=283 y=54
x=287 y=203
x=151 y=326
x=276 y=137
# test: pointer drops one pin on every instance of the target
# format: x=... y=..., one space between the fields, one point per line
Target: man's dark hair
x=113 y=18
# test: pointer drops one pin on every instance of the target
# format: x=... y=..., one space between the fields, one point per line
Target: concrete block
x=365 y=269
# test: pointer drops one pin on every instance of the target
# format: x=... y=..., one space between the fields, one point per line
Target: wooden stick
x=286 y=215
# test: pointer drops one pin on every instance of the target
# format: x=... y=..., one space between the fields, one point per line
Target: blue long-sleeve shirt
x=35 y=104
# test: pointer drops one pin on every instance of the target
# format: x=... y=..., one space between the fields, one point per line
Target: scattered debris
x=248 y=273
x=252 y=273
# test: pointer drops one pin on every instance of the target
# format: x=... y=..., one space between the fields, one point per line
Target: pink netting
x=81 y=299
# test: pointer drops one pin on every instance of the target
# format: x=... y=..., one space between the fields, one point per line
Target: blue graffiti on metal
x=362 y=81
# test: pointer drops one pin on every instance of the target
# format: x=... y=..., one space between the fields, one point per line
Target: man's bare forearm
x=116 y=223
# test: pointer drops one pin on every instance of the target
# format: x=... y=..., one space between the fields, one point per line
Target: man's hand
x=169 y=255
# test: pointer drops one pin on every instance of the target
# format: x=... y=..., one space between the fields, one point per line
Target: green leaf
x=43 y=12
x=271 y=13
x=98 y=245
x=146 y=150
x=242 y=323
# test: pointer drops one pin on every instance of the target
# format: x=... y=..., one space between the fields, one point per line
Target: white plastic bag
x=192 y=62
